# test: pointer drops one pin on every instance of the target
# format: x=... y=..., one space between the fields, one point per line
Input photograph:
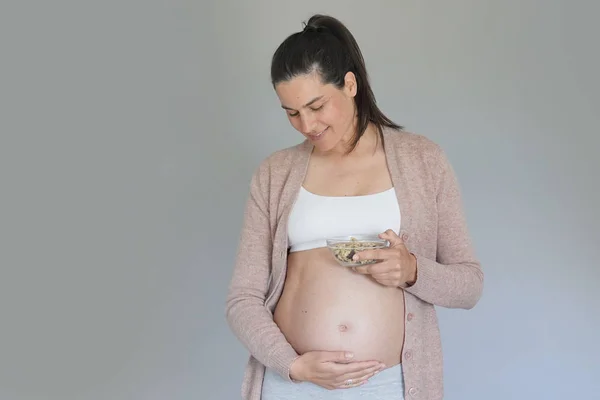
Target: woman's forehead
x=302 y=89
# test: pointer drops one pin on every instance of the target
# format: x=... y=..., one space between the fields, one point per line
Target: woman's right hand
x=333 y=369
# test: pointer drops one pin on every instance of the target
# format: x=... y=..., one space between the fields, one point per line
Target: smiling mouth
x=318 y=135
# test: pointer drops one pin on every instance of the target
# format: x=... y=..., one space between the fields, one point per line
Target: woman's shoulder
x=274 y=170
x=416 y=148
x=412 y=142
x=285 y=159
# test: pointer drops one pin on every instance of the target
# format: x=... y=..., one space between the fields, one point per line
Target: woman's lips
x=318 y=135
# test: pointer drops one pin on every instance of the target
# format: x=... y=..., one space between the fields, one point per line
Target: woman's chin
x=323 y=147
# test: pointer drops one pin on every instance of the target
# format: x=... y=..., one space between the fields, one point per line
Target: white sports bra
x=315 y=218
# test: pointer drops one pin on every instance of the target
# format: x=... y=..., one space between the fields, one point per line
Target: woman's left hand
x=397 y=267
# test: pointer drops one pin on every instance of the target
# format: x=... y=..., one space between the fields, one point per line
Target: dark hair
x=327 y=47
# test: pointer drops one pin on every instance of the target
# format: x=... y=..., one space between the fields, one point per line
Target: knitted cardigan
x=433 y=227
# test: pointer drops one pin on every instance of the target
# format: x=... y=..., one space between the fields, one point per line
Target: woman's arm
x=455 y=278
x=246 y=312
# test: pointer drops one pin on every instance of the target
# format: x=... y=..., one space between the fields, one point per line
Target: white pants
x=386 y=385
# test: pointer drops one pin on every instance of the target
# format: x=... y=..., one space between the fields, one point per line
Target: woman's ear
x=350 y=85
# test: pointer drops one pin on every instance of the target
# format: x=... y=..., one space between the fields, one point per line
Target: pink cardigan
x=448 y=273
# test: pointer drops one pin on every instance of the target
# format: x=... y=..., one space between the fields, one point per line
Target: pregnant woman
x=316 y=329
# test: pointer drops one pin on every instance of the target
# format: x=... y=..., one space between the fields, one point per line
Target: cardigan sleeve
x=455 y=278
x=246 y=312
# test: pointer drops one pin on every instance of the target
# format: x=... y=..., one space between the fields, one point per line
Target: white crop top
x=315 y=218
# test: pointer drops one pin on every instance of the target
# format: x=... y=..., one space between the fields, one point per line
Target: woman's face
x=324 y=114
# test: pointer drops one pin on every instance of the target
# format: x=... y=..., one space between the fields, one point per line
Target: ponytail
x=327 y=47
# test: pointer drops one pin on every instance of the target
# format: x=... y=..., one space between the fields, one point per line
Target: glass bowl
x=343 y=248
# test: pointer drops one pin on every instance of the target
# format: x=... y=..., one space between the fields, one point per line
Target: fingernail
x=355 y=257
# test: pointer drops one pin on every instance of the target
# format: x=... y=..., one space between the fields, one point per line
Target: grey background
x=129 y=130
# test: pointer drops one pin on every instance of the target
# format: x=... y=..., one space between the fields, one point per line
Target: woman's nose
x=307 y=125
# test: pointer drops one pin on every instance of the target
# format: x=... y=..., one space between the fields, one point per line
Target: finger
x=374 y=254
x=358 y=378
x=350 y=383
x=392 y=237
x=336 y=356
x=356 y=367
x=357 y=375
x=383 y=268
x=357 y=381
x=382 y=278
x=387 y=282
x=362 y=270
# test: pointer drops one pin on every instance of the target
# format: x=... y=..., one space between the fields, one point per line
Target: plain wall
x=129 y=131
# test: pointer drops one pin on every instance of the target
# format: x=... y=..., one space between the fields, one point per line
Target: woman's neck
x=368 y=144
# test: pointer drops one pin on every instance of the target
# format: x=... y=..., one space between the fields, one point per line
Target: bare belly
x=325 y=306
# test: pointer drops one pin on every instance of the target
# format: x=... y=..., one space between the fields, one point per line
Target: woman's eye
x=295 y=114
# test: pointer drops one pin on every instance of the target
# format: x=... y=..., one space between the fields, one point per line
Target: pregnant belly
x=325 y=306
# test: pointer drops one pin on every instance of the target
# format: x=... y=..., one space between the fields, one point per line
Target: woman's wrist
x=294 y=370
x=412 y=279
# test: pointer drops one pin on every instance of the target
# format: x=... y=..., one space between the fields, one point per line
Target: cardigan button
x=412 y=391
x=410 y=316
